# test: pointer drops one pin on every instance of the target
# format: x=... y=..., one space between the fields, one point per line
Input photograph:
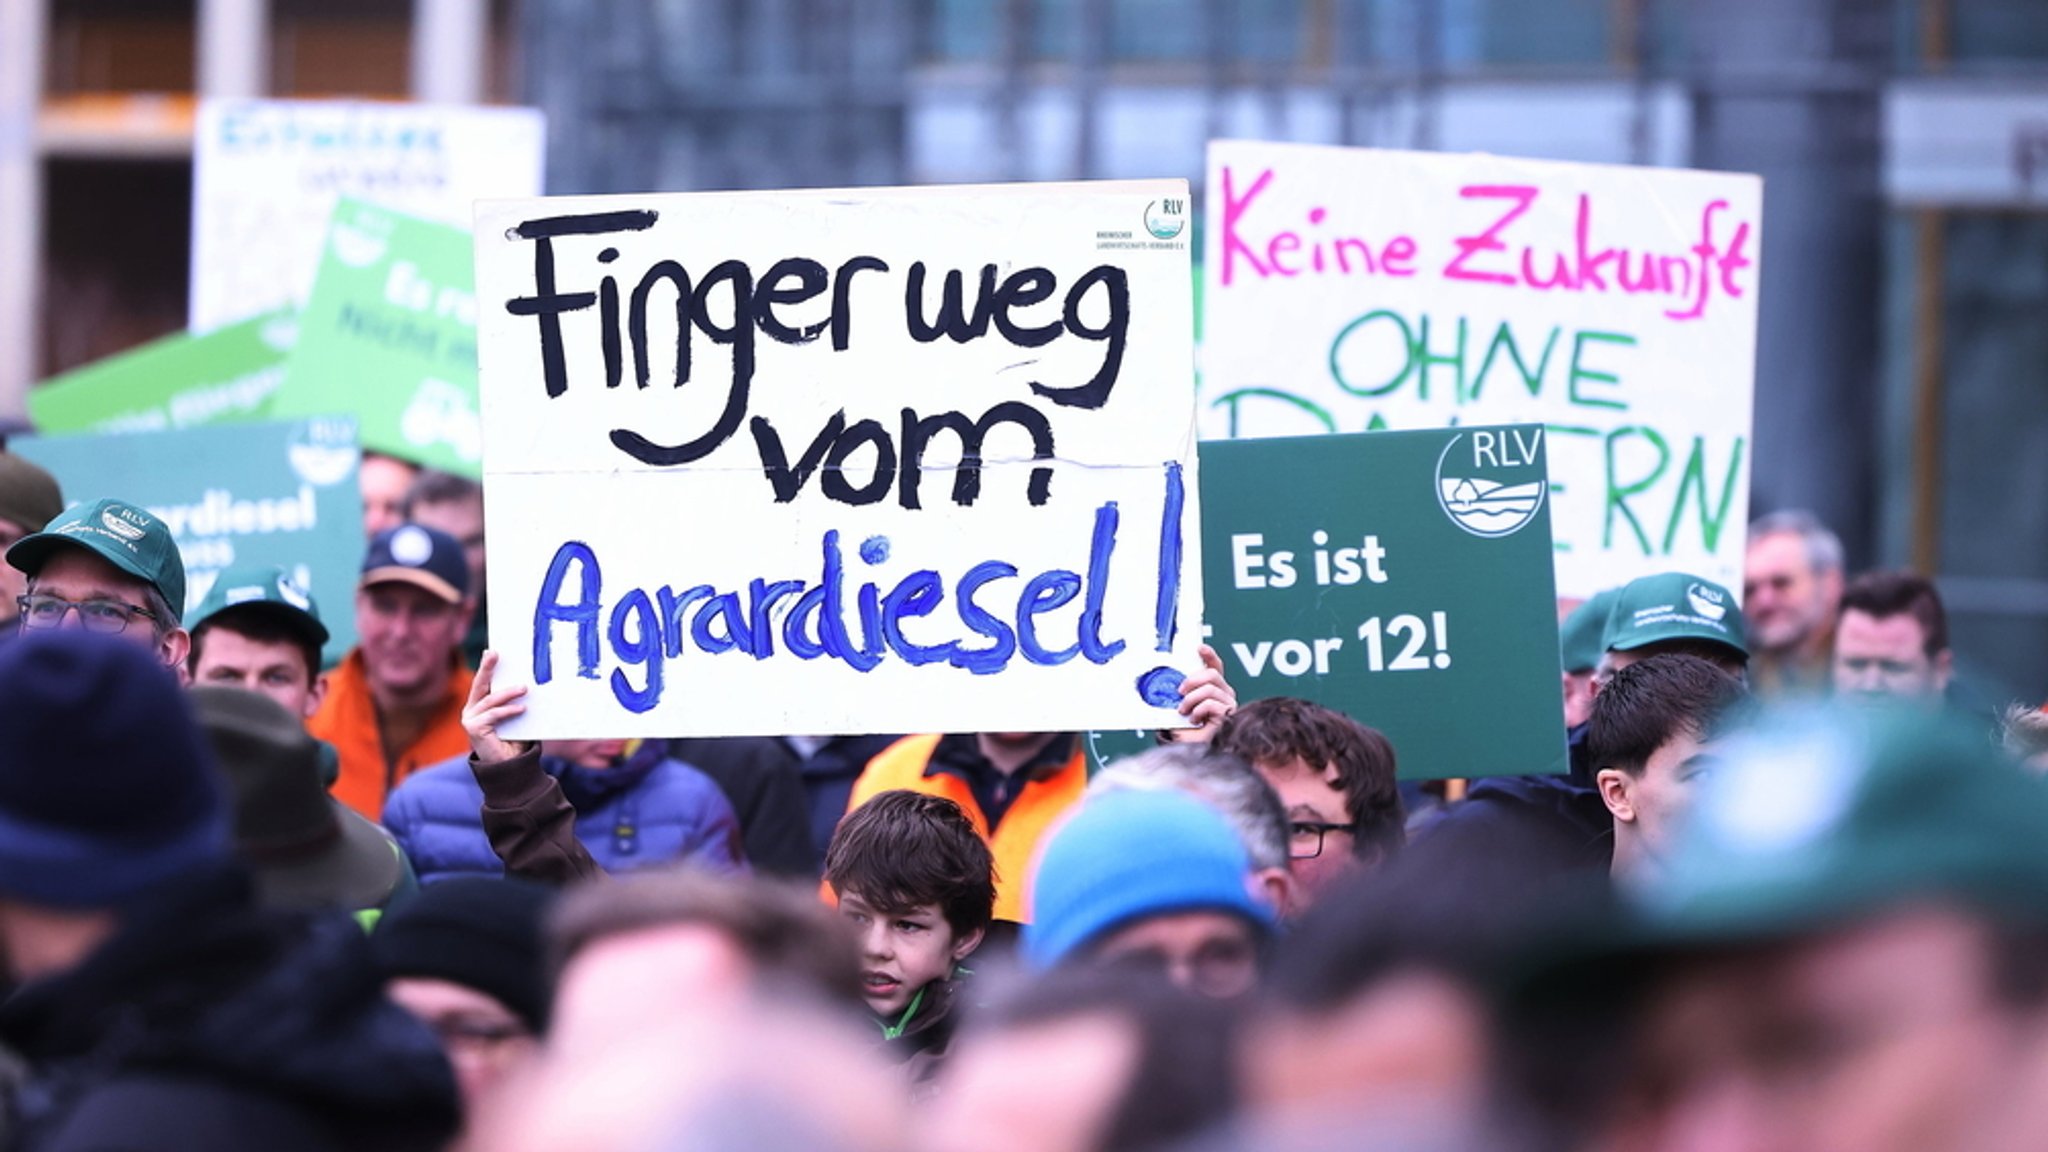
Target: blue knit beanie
x=1129 y=855
x=106 y=786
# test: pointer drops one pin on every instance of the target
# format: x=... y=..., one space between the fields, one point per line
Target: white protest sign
x=1352 y=289
x=266 y=175
x=882 y=460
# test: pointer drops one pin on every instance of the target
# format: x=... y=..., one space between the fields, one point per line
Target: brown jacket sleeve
x=531 y=825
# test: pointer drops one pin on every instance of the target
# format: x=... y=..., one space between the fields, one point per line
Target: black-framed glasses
x=39 y=612
x=1305 y=837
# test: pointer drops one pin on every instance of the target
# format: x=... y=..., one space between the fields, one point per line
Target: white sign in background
x=780 y=550
x=266 y=175
x=1350 y=289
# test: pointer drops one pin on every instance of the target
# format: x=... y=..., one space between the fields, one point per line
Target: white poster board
x=792 y=541
x=266 y=175
x=1352 y=289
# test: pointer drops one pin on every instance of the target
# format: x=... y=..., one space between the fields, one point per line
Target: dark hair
x=433 y=486
x=1454 y=917
x=1284 y=728
x=261 y=627
x=784 y=931
x=1649 y=702
x=1728 y=658
x=1883 y=594
x=1184 y=1082
x=902 y=849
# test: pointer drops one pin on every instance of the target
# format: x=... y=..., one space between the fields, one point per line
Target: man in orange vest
x=1016 y=785
x=394 y=705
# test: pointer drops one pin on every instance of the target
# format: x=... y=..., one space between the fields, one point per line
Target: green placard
x=228 y=375
x=1404 y=578
x=389 y=337
x=272 y=493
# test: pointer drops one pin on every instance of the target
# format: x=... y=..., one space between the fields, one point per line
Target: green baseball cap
x=268 y=590
x=1815 y=822
x=124 y=534
x=1578 y=638
x=1673 y=606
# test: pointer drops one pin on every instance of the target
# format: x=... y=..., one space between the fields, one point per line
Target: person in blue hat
x=1158 y=881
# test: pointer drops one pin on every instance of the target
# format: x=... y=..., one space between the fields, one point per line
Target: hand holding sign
x=487 y=709
x=1206 y=700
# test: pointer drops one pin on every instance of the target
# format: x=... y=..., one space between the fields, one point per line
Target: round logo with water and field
x=1165 y=219
x=1491 y=481
x=1709 y=603
x=123 y=522
x=323 y=453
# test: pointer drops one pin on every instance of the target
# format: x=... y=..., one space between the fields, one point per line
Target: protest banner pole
x=234 y=49
x=21 y=201
x=1929 y=285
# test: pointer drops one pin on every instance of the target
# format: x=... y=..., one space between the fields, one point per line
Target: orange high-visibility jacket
x=347 y=719
x=1014 y=842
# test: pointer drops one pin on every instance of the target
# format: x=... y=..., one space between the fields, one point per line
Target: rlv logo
x=1502 y=485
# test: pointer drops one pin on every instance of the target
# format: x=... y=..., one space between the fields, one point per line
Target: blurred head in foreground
x=1848 y=949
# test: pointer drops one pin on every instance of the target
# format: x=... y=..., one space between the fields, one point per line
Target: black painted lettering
x=917 y=433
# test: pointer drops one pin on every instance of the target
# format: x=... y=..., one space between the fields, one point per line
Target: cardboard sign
x=878 y=460
x=1353 y=289
x=271 y=493
x=266 y=175
x=389 y=338
x=1403 y=578
x=181 y=381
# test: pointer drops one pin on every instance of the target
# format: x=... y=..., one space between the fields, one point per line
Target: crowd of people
x=1792 y=892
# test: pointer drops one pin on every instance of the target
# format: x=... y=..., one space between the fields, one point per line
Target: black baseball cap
x=421 y=556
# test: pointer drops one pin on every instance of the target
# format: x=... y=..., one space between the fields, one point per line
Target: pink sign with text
x=1354 y=289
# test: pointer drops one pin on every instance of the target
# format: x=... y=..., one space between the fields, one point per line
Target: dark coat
x=763 y=778
x=207 y=1023
x=1541 y=830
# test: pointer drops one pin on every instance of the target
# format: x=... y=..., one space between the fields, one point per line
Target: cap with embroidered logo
x=124 y=534
x=268 y=591
x=1674 y=606
x=424 y=557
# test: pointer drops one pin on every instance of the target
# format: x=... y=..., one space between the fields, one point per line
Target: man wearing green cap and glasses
x=107 y=566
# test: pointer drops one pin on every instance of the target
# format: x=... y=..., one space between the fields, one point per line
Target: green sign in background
x=1404 y=578
x=389 y=337
x=181 y=381
x=273 y=493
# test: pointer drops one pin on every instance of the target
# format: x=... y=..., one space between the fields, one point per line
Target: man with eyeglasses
x=1335 y=777
x=106 y=566
x=394 y=704
x=29 y=499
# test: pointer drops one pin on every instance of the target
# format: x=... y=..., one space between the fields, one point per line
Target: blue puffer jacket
x=648 y=811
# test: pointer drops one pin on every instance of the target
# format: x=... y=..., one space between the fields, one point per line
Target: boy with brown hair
x=917 y=883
